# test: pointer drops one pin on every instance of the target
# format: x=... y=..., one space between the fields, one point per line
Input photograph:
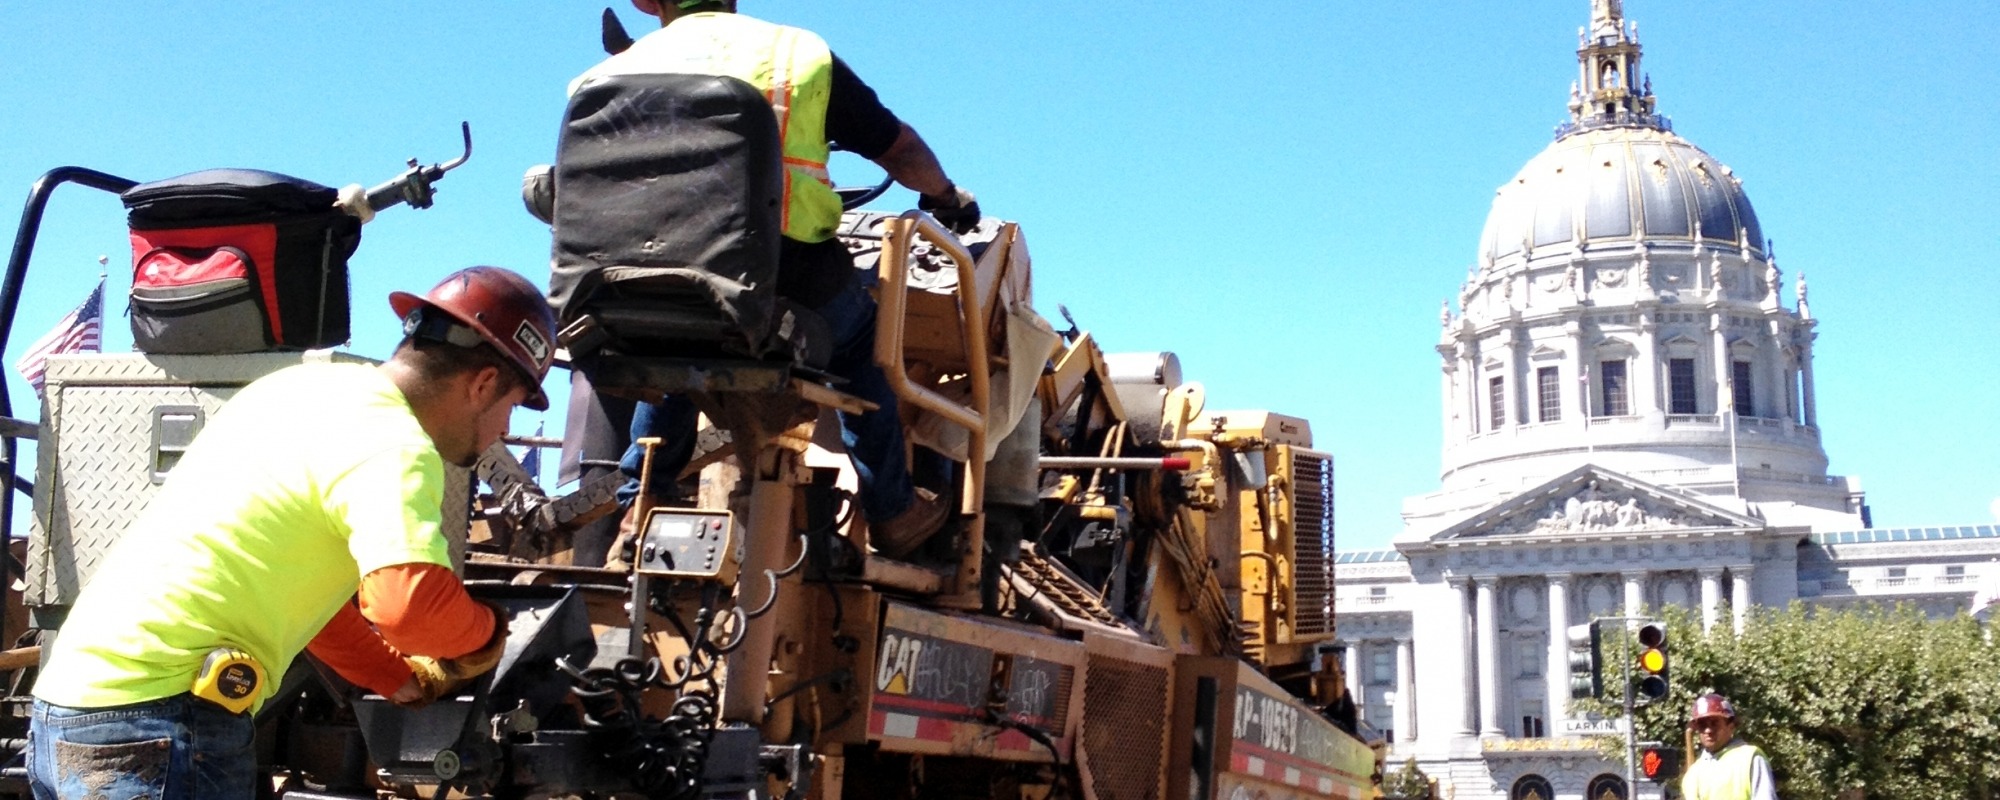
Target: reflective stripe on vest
x=1725 y=777
x=792 y=67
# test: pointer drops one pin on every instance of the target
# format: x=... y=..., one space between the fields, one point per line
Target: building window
x=1899 y=572
x=1680 y=384
x=1955 y=570
x=1531 y=787
x=1382 y=667
x=1615 y=401
x=1548 y=388
x=1606 y=787
x=1531 y=719
x=1378 y=594
x=1739 y=385
x=1528 y=657
x=1496 y=397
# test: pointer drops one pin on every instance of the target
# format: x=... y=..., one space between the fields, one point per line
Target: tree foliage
x=1408 y=783
x=1869 y=701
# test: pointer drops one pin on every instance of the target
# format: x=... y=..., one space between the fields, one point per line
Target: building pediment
x=1593 y=501
x=1545 y=353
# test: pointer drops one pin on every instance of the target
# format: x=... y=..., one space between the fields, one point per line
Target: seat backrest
x=668 y=193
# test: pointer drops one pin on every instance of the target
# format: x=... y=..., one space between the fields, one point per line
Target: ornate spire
x=1612 y=91
x=1607 y=18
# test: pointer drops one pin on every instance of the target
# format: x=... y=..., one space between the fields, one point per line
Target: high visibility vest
x=793 y=67
x=1726 y=776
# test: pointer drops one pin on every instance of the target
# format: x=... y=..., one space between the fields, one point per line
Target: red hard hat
x=1711 y=705
x=504 y=309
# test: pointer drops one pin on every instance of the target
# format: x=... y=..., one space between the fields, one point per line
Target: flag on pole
x=532 y=461
x=76 y=333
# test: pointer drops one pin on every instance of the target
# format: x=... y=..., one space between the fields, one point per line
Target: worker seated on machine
x=816 y=99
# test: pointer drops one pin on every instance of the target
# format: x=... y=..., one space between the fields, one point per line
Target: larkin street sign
x=1591 y=727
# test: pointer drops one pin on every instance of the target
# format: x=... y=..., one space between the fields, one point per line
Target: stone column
x=1635 y=593
x=1780 y=396
x=1489 y=662
x=1462 y=638
x=1406 y=684
x=1719 y=343
x=1577 y=394
x=1805 y=367
x=1449 y=390
x=1711 y=596
x=1739 y=601
x=1645 y=373
x=1558 y=670
x=1469 y=392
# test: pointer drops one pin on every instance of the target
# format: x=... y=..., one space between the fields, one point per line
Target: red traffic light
x=1659 y=764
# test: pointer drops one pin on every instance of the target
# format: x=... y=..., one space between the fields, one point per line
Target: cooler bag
x=238 y=261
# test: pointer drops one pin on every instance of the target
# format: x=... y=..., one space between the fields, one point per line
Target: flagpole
x=1729 y=408
x=1589 y=443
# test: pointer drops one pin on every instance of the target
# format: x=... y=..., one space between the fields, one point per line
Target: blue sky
x=1281 y=193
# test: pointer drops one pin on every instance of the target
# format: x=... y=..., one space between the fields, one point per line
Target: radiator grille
x=1312 y=542
x=1124 y=728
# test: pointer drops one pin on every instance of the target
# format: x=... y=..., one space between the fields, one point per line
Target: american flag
x=532 y=460
x=76 y=333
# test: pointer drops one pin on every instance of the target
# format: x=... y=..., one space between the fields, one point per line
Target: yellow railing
x=892 y=308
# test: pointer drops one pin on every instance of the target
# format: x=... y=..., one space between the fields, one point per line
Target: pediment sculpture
x=1594 y=508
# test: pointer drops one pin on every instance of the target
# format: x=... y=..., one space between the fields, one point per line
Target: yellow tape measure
x=229 y=678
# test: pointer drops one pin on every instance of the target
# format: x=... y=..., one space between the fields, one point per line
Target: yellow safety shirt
x=1738 y=772
x=308 y=479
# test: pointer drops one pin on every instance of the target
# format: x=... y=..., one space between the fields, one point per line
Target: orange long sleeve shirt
x=419 y=609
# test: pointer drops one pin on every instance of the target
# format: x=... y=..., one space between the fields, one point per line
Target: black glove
x=957 y=209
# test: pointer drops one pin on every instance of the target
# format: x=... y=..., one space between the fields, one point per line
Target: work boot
x=902 y=534
x=621 y=553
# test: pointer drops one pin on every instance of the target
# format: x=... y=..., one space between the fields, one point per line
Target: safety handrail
x=10 y=300
x=892 y=309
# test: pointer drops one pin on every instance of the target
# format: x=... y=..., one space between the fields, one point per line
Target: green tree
x=1408 y=783
x=1869 y=701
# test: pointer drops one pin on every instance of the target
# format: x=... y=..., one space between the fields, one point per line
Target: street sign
x=1591 y=727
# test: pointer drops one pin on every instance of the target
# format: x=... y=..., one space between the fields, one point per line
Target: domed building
x=1629 y=423
x=1626 y=311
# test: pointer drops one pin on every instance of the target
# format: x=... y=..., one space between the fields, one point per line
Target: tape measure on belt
x=229 y=678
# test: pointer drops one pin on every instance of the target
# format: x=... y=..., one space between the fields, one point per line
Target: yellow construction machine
x=1133 y=596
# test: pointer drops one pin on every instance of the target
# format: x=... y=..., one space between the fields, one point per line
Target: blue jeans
x=170 y=749
x=874 y=440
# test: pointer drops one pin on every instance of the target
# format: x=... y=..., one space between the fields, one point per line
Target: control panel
x=686 y=543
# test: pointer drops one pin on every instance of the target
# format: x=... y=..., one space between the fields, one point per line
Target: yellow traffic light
x=1653 y=683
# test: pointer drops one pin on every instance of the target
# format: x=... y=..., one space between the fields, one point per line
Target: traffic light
x=1653 y=683
x=1586 y=666
x=1659 y=764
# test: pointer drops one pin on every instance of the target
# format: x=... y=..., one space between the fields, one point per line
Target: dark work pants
x=874 y=439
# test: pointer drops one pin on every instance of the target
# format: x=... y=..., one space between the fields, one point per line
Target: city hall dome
x=1612 y=185
x=1625 y=312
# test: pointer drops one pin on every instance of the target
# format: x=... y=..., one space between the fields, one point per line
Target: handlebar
x=414 y=185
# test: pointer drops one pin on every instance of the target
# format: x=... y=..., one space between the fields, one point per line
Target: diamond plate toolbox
x=113 y=424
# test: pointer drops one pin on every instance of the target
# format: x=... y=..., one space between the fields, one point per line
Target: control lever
x=412 y=187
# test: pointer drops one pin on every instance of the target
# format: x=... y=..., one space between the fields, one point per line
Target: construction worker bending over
x=1728 y=767
x=313 y=483
x=822 y=101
